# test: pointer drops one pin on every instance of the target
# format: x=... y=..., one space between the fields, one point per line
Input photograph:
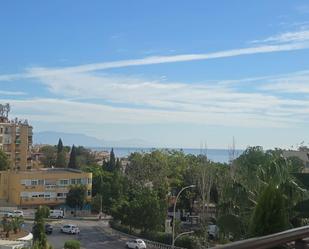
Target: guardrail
x=296 y=236
x=153 y=244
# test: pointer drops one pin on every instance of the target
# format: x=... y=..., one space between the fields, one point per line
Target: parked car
x=56 y=213
x=48 y=229
x=213 y=231
x=71 y=229
x=15 y=213
x=136 y=244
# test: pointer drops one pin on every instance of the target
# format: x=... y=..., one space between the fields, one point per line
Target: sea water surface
x=216 y=155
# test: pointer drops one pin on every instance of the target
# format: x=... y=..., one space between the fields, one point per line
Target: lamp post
x=174 y=214
x=184 y=233
x=101 y=199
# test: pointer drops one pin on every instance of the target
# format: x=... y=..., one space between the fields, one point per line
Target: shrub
x=186 y=242
x=72 y=244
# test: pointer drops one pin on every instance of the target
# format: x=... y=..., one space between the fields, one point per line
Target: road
x=93 y=235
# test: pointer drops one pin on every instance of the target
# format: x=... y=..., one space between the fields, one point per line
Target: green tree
x=7 y=226
x=4 y=161
x=38 y=230
x=84 y=157
x=112 y=161
x=76 y=197
x=72 y=163
x=49 y=156
x=61 y=155
x=270 y=214
x=16 y=224
x=118 y=165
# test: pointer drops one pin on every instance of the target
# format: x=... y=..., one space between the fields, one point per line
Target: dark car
x=48 y=228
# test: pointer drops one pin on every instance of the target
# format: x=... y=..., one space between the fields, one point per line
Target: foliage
x=42 y=212
x=96 y=203
x=49 y=156
x=61 y=155
x=84 y=157
x=76 y=196
x=38 y=230
x=111 y=164
x=186 y=242
x=230 y=224
x=4 y=161
x=143 y=210
x=270 y=214
x=7 y=226
x=72 y=244
x=72 y=162
x=16 y=224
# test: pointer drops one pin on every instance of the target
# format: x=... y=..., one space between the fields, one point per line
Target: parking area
x=93 y=235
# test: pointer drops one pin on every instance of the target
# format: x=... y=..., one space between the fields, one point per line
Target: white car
x=136 y=244
x=15 y=213
x=71 y=229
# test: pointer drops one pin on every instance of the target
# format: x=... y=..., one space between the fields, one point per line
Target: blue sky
x=172 y=73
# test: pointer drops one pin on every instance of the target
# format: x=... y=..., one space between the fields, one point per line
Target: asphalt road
x=93 y=235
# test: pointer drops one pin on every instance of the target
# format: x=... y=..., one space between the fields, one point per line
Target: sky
x=172 y=73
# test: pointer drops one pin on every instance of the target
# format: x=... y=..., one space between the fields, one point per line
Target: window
x=73 y=181
x=89 y=180
x=25 y=182
x=34 y=182
x=89 y=192
x=41 y=182
x=63 y=182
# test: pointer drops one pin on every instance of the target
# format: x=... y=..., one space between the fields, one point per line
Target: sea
x=215 y=155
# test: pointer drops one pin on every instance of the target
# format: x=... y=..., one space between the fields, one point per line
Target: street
x=93 y=235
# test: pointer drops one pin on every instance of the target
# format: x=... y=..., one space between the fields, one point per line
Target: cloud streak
x=288 y=41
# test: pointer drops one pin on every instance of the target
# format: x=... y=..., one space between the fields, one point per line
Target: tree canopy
x=4 y=161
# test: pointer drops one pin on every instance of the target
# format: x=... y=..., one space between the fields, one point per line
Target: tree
x=76 y=197
x=72 y=163
x=112 y=161
x=38 y=231
x=61 y=155
x=270 y=215
x=49 y=156
x=16 y=224
x=118 y=165
x=4 y=161
x=7 y=226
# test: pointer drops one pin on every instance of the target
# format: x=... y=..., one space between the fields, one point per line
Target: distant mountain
x=52 y=137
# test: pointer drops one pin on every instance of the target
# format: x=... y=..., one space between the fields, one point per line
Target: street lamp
x=174 y=214
x=184 y=233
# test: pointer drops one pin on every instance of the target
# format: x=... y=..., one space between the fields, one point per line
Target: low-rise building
x=302 y=153
x=48 y=186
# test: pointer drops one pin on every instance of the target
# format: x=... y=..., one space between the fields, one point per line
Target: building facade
x=42 y=186
x=15 y=140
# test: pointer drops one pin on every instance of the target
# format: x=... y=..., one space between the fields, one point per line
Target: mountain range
x=52 y=137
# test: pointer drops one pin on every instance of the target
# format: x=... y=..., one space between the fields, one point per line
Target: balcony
x=297 y=238
x=17 y=141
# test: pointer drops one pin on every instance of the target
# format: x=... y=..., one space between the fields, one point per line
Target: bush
x=186 y=242
x=72 y=244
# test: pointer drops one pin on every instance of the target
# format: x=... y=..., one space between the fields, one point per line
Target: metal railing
x=296 y=236
x=154 y=244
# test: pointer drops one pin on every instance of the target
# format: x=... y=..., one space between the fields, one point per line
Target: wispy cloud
x=288 y=41
x=208 y=103
x=12 y=93
x=297 y=36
